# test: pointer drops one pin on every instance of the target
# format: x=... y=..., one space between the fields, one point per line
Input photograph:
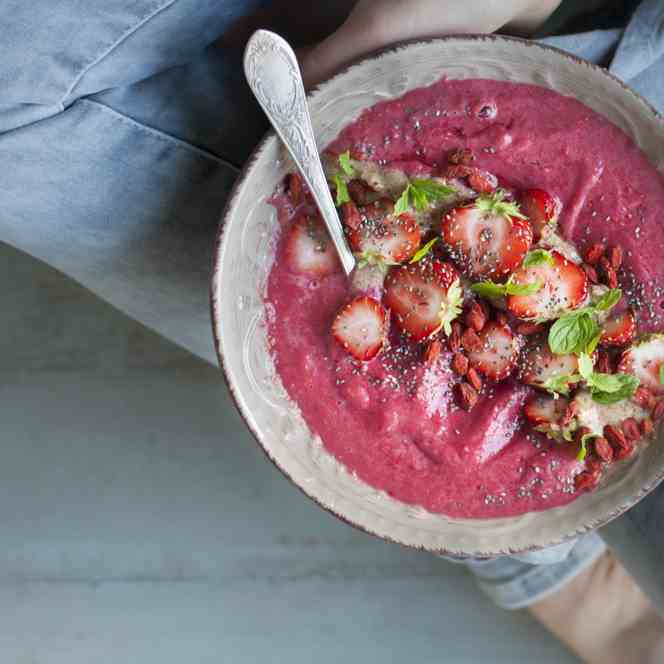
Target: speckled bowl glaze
x=243 y=257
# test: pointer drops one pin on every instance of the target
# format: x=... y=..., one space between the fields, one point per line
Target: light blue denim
x=122 y=127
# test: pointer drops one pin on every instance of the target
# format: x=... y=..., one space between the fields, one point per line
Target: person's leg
x=56 y=51
x=637 y=538
x=123 y=189
x=127 y=210
x=604 y=617
x=515 y=582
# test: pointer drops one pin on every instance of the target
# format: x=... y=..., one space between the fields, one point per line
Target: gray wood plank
x=140 y=522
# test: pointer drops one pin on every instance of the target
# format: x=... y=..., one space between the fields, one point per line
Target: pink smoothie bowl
x=245 y=251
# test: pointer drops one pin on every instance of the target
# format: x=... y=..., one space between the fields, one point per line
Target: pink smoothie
x=393 y=422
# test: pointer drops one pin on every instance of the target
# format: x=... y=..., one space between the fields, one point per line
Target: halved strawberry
x=643 y=359
x=619 y=330
x=564 y=287
x=545 y=411
x=424 y=297
x=360 y=327
x=539 y=365
x=498 y=353
x=488 y=237
x=541 y=208
x=309 y=249
x=380 y=234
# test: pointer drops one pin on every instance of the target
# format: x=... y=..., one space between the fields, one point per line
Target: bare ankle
x=604 y=617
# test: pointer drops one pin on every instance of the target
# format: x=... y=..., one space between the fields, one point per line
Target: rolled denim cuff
x=515 y=582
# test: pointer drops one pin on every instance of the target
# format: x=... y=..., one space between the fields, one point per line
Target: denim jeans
x=122 y=127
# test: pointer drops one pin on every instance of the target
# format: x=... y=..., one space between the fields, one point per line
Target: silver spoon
x=274 y=77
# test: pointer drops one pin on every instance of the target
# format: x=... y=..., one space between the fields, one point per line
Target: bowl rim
x=214 y=296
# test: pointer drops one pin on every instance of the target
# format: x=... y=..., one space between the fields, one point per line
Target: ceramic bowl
x=243 y=257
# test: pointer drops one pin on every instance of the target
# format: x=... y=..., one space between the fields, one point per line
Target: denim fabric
x=122 y=124
x=518 y=581
x=122 y=190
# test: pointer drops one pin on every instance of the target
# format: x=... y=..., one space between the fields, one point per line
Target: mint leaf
x=452 y=306
x=585 y=366
x=572 y=332
x=419 y=193
x=606 y=388
x=423 y=251
x=523 y=289
x=537 y=257
x=605 y=382
x=560 y=383
x=344 y=163
x=495 y=203
x=491 y=289
x=433 y=190
x=608 y=300
x=488 y=289
x=402 y=205
x=592 y=344
x=661 y=374
x=342 y=189
x=418 y=198
x=622 y=387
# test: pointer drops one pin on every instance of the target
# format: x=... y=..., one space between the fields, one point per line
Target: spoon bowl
x=274 y=77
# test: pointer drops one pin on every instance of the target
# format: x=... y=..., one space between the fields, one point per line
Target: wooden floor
x=140 y=523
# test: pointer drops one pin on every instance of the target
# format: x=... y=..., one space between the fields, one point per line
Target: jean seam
x=158 y=134
x=106 y=50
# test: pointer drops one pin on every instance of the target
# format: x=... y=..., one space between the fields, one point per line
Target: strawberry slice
x=545 y=411
x=351 y=216
x=564 y=287
x=360 y=327
x=497 y=355
x=487 y=238
x=541 y=208
x=309 y=249
x=619 y=330
x=382 y=235
x=539 y=365
x=424 y=297
x=643 y=359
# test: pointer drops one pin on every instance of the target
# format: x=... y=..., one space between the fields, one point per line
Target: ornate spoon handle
x=274 y=77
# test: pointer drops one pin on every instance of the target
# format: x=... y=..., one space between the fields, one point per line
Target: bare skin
x=601 y=614
x=603 y=617
x=373 y=24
